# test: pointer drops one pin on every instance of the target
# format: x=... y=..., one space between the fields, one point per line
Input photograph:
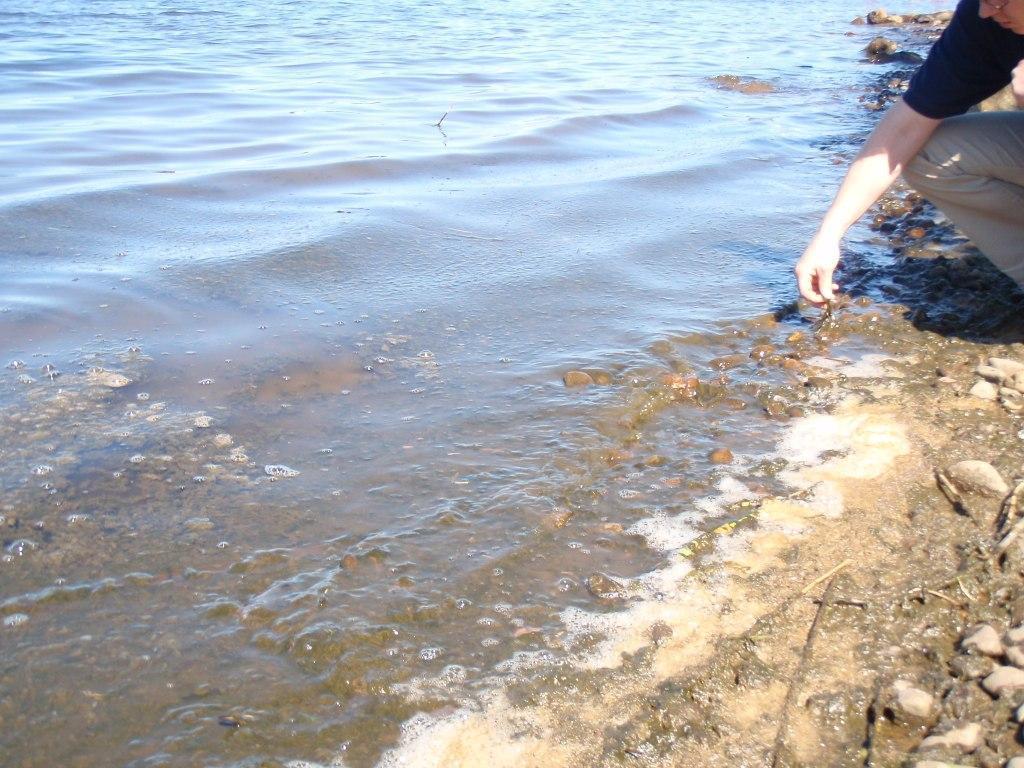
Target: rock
x=280 y=470
x=971 y=667
x=984 y=640
x=990 y=373
x=985 y=390
x=202 y=422
x=720 y=456
x=881 y=46
x=878 y=16
x=223 y=440
x=198 y=524
x=1016 y=381
x=1015 y=635
x=979 y=477
x=1018 y=715
x=1006 y=366
x=109 y=378
x=937 y=764
x=605 y=587
x=912 y=701
x=602 y=378
x=1004 y=679
x=1015 y=655
x=1015 y=762
x=726 y=362
x=966 y=739
x=577 y=379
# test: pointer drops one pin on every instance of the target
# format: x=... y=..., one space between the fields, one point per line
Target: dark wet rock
x=726 y=362
x=602 y=378
x=721 y=456
x=985 y=640
x=1003 y=680
x=881 y=46
x=577 y=379
x=605 y=587
x=970 y=667
x=973 y=476
x=965 y=739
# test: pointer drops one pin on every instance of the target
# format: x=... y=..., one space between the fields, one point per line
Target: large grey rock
x=984 y=640
x=967 y=738
x=1003 y=680
x=973 y=476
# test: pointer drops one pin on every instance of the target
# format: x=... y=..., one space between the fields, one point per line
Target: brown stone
x=577 y=379
x=720 y=456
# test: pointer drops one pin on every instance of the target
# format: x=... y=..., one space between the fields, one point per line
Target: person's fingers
x=825 y=284
x=805 y=282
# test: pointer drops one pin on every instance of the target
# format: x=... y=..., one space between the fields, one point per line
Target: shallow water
x=364 y=243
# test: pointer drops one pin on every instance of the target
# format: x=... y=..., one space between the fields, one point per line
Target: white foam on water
x=869 y=366
x=490 y=732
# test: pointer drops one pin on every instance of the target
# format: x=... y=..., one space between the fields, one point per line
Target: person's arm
x=894 y=142
x=1017 y=84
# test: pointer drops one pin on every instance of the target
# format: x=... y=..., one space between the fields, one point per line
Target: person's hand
x=1017 y=84
x=814 y=270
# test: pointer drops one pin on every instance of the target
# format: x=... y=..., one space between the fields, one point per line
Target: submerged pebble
x=280 y=470
x=15 y=620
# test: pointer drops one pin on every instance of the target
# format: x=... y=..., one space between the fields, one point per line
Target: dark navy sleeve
x=965 y=66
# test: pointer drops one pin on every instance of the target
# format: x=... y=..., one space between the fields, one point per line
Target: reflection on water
x=236 y=239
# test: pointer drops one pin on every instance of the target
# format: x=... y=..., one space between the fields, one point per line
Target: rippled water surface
x=288 y=292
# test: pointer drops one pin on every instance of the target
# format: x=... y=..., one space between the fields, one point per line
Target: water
x=343 y=253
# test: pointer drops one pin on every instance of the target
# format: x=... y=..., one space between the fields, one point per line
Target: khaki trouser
x=972 y=169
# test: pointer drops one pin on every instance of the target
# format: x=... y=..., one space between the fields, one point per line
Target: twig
x=828 y=575
x=872 y=718
x=438 y=123
x=1009 y=508
x=947 y=598
x=794 y=686
x=968 y=595
x=844 y=601
x=951 y=493
x=1008 y=539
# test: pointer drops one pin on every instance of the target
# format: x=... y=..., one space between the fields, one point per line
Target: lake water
x=364 y=242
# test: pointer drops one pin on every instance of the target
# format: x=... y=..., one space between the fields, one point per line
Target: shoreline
x=833 y=630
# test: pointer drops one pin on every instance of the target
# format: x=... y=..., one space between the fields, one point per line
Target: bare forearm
x=893 y=143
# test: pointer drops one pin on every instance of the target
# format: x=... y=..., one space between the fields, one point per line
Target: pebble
x=1003 y=679
x=199 y=524
x=223 y=440
x=15 y=620
x=604 y=586
x=1015 y=762
x=985 y=390
x=577 y=379
x=977 y=477
x=1018 y=715
x=1006 y=366
x=966 y=738
x=280 y=470
x=1016 y=381
x=1015 y=635
x=984 y=640
x=913 y=701
x=202 y=422
x=990 y=373
x=720 y=456
x=109 y=378
x=1015 y=655
x=937 y=764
